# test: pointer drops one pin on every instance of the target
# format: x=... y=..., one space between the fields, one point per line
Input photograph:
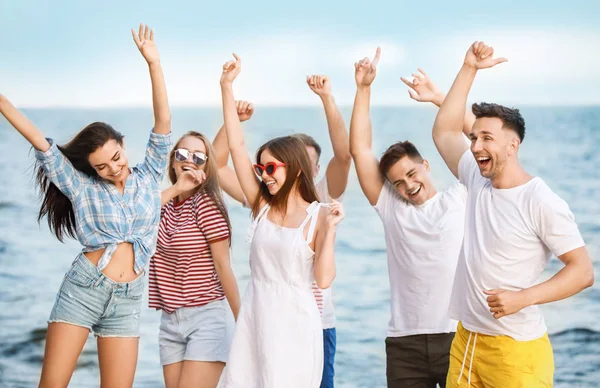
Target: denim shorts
x=89 y=299
x=201 y=333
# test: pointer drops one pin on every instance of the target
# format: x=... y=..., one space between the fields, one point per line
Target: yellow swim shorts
x=478 y=360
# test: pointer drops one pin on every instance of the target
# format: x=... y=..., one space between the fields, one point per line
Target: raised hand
x=245 y=110
x=231 y=69
x=144 y=40
x=366 y=70
x=480 y=56
x=422 y=88
x=189 y=180
x=336 y=213
x=319 y=84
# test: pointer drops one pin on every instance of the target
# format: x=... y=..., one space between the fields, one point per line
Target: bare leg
x=172 y=373
x=200 y=374
x=64 y=343
x=118 y=359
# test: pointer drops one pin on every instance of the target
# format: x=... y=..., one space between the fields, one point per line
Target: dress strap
x=262 y=212
x=313 y=216
x=255 y=221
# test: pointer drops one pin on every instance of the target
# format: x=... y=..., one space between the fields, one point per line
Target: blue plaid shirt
x=103 y=216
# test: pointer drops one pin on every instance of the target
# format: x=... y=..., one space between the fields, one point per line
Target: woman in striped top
x=190 y=273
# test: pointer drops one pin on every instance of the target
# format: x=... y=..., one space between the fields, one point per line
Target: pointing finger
x=377 y=56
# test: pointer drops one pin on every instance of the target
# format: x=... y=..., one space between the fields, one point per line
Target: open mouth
x=414 y=192
x=270 y=183
x=118 y=172
x=483 y=161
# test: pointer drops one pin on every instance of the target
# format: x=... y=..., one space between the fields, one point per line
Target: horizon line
x=297 y=105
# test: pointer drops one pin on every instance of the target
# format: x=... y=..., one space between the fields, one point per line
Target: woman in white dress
x=278 y=340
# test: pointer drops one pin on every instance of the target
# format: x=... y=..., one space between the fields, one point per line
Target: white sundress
x=278 y=342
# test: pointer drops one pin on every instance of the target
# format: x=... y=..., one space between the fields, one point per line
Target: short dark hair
x=511 y=117
x=396 y=152
x=309 y=141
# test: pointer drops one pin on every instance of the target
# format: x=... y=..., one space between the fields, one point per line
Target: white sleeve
x=458 y=191
x=386 y=201
x=556 y=225
x=323 y=191
x=467 y=169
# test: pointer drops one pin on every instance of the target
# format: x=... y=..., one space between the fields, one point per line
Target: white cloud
x=274 y=73
x=545 y=66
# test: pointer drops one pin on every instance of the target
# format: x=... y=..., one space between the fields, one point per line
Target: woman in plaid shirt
x=91 y=193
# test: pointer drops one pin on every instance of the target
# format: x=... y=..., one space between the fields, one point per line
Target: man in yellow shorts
x=513 y=224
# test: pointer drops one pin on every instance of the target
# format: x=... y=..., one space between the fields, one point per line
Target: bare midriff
x=120 y=267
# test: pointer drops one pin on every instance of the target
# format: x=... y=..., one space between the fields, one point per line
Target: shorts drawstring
x=465 y=359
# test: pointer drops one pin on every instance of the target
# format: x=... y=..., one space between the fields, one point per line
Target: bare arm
x=577 y=275
x=144 y=40
x=23 y=125
x=187 y=181
x=367 y=166
x=227 y=177
x=324 y=267
x=235 y=135
x=423 y=89
x=168 y=194
x=339 y=166
x=228 y=181
x=449 y=123
x=221 y=148
x=222 y=260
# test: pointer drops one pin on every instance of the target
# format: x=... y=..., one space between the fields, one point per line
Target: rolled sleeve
x=157 y=155
x=59 y=170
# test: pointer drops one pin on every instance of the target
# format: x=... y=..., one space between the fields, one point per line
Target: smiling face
x=110 y=162
x=192 y=145
x=411 y=180
x=492 y=146
x=275 y=181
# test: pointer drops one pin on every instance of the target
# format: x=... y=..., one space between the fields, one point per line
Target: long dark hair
x=211 y=185
x=55 y=205
x=291 y=151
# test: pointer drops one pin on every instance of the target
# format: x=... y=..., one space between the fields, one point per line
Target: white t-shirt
x=328 y=317
x=423 y=243
x=510 y=235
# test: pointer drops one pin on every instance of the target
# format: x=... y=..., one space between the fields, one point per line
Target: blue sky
x=80 y=53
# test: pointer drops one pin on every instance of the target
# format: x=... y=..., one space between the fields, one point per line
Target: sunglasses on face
x=268 y=168
x=199 y=158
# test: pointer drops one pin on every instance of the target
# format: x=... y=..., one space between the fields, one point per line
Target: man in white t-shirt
x=423 y=234
x=513 y=225
x=332 y=185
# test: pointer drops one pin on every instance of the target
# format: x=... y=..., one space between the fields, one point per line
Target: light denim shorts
x=89 y=299
x=196 y=333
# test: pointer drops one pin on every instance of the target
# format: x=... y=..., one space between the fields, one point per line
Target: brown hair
x=309 y=141
x=396 y=152
x=511 y=118
x=211 y=185
x=291 y=151
x=55 y=205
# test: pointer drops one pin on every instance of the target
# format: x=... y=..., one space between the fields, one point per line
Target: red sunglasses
x=269 y=168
